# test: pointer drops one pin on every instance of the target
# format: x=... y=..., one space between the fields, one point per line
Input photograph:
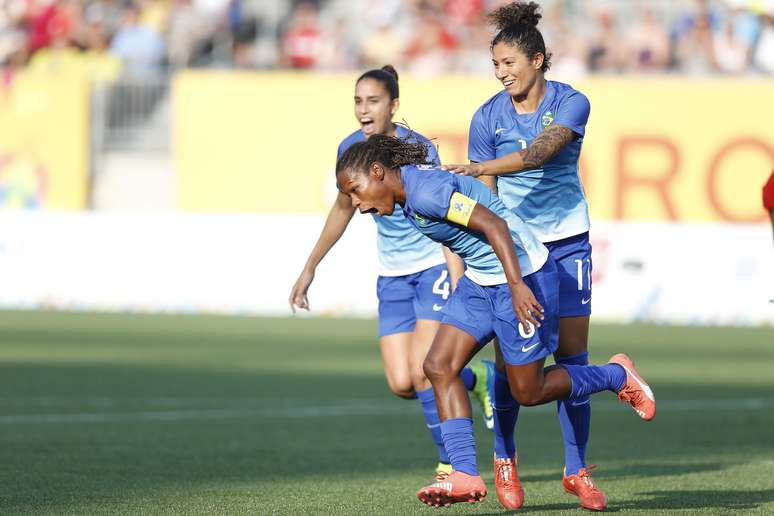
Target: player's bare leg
x=451 y=350
x=395 y=358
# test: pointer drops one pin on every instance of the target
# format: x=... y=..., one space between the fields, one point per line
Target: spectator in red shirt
x=301 y=41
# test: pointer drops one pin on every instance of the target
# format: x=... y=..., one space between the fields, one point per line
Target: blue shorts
x=573 y=259
x=404 y=299
x=483 y=312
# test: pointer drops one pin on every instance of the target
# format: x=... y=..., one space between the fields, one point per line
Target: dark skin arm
x=547 y=145
x=495 y=229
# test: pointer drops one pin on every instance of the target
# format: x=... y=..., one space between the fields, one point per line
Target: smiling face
x=367 y=189
x=515 y=70
x=374 y=108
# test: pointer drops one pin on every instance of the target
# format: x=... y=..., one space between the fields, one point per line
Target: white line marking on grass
x=355 y=408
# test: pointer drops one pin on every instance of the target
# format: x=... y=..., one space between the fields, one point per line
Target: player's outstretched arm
x=338 y=219
x=496 y=231
x=547 y=145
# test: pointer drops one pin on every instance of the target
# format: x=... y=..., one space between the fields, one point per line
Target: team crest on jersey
x=420 y=220
x=548 y=119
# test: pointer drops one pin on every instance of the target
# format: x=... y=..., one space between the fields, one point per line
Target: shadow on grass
x=639 y=470
x=728 y=499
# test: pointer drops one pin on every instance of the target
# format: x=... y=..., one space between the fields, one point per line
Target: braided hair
x=517 y=25
x=390 y=151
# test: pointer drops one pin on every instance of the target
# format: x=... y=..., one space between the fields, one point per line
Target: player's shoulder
x=494 y=104
x=564 y=91
x=420 y=179
x=350 y=140
x=410 y=134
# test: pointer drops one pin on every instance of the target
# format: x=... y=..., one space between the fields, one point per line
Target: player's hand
x=471 y=169
x=527 y=308
x=298 y=292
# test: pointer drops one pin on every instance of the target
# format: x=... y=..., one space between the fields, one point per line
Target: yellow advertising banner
x=655 y=148
x=44 y=142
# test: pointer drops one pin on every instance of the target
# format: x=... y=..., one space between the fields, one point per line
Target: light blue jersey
x=402 y=249
x=551 y=199
x=428 y=196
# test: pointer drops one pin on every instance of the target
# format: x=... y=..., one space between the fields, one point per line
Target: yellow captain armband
x=460 y=209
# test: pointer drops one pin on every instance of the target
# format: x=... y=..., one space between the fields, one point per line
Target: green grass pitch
x=130 y=414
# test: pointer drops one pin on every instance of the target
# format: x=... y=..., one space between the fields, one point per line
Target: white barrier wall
x=223 y=263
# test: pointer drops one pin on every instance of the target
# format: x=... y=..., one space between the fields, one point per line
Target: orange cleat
x=509 y=490
x=457 y=487
x=582 y=486
x=635 y=390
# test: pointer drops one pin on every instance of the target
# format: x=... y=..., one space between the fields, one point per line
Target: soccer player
x=413 y=283
x=529 y=138
x=510 y=289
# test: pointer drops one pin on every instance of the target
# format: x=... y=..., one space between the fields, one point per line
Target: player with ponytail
x=528 y=139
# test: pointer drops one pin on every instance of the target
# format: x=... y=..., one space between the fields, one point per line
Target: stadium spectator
x=301 y=41
x=139 y=47
x=607 y=50
x=430 y=52
x=649 y=44
x=763 y=57
x=695 y=52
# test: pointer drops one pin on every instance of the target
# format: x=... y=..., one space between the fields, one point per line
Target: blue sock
x=589 y=379
x=506 y=411
x=460 y=443
x=575 y=420
x=427 y=397
x=468 y=378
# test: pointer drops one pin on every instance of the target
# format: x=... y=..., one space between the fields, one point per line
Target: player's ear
x=537 y=61
x=394 y=106
x=376 y=171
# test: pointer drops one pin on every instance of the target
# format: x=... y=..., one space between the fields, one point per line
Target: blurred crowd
x=427 y=37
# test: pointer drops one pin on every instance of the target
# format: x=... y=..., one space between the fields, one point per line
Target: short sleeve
x=432 y=196
x=480 y=140
x=573 y=112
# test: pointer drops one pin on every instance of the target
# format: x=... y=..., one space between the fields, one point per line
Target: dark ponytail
x=388 y=150
x=517 y=25
x=388 y=76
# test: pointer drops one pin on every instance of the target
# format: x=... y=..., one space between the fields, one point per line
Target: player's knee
x=435 y=368
x=406 y=394
x=403 y=388
x=526 y=395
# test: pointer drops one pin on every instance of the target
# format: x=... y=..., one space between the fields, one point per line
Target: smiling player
x=529 y=138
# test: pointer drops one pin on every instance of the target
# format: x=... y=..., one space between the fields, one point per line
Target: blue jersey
x=551 y=199
x=429 y=198
x=402 y=249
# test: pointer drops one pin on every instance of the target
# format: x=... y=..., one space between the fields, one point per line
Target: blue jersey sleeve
x=573 y=112
x=480 y=140
x=432 y=195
